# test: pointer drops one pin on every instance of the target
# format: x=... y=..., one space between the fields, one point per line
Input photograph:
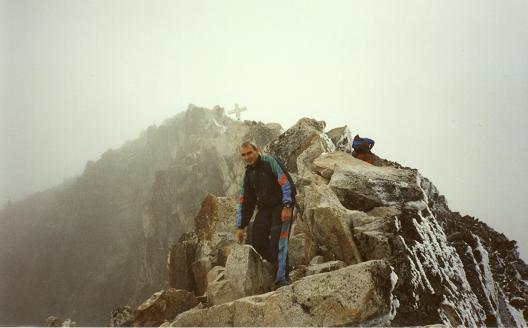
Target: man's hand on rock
x=240 y=234
x=286 y=214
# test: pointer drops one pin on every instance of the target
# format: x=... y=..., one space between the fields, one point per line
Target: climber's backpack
x=361 y=146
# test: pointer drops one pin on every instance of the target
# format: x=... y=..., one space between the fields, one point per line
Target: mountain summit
x=150 y=225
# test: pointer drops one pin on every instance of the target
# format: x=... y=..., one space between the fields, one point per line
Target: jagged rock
x=200 y=269
x=310 y=248
x=355 y=295
x=207 y=246
x=179 y=263
x=53 y=321
x=317 y=260
x=342 y=139
x=246 y=273
x=249 y=273
x=221 y=291
x=215 y=274
x=400 y=216
x=300 y=144
x=330 y=223
x=361 y=186
x=214 y=222
x=324 y=267
x=118 y=219
x=163 y=305
x=476 y=262
x=325 y=165
x=298 y=273
x=214 y=226
x=508 y=271
x=373 y=234
x=382 y=212
x=296 y=246
x=432 y=270
x=122 y=317
x=298 y=226
x=474 y=277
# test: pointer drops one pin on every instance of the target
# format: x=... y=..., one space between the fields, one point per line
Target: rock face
x=300 y=145
x=353 y=213
x=245 y=273
x=329 y=223
x=159 y=308
x=209 y=261
x=52 y=321
x=362 y=186
x=342 y=139
x=191 y=258
x=371 y=245
x=122 y=317
x=101 y=239
x=163 y=305
x=356 y=294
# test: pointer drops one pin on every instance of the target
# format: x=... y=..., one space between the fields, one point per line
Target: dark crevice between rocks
x=306 y=308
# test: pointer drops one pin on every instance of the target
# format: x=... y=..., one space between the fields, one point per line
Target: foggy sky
x=441 y=86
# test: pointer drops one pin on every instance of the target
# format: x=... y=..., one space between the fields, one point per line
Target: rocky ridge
x=101 y=239
x=371 y=244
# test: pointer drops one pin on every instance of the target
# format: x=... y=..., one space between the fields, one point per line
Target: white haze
x=441 y=86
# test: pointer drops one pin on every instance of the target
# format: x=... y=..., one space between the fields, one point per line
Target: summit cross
x=237 y=111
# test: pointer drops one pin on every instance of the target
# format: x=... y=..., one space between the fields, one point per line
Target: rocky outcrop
x=353 y=211
x=300 y=145
x=246 y=273
x=160 y=307
x=362 y=186
x=180 y=261
x=102 y=238
x=191 y=258
x=209 y=261
x=329 y=223
x=399 y=217
x=163 y=305
x=53 y=321
x=296 y=250
x=342 y=139
x=371 y=244
x=324 y=267
x=359 y=294
x=205 y=161
x=122 y=317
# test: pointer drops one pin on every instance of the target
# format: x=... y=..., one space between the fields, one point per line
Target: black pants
x=269 y=237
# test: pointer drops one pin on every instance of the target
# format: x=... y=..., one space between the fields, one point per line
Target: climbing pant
x=270 y=239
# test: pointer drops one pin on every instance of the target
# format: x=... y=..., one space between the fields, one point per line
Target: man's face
x=249 y=155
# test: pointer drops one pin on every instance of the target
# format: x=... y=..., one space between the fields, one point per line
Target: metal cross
x=237 y=111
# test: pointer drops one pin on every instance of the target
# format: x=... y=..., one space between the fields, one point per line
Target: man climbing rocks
x=362 y=147
x=269 y=187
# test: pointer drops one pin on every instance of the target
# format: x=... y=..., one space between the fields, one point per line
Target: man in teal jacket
x=267 y=186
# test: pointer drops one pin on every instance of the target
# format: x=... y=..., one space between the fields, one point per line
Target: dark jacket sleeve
x=246 y=204
x=282 y=179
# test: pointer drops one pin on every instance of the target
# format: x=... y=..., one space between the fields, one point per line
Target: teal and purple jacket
x=265 y=185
